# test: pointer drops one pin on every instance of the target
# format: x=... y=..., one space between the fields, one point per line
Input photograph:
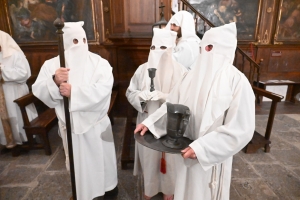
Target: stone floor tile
x=13 y=193
x=3 y=166
x=289 y=121
x=126 y=177
x=250 y=189
x=284 y=184
x=294 y=116
x=242 y=169
x=20 y=175
x=279 y=144
x=52 y=186
x=255 y=176
x=290 y=158
x=261 y=120
x=292 y=137
x=234 y=195
x=33 y=157
x=296 y=171
x=259 y=157
x=58 y=163
x=279 y=125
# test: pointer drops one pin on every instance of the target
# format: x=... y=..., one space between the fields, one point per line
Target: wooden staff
x=59 y=25
x=10 y=142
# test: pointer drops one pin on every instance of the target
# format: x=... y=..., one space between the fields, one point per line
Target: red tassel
x=163 y=164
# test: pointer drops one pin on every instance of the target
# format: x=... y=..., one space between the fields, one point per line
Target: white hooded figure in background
x=187 y=45
x=168 y=72
x=15 y=71
x=87 y=81
x=222 y=121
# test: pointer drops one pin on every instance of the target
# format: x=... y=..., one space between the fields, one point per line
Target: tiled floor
x=274 y=175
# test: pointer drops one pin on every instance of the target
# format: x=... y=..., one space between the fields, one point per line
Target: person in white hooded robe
x=15 y=71
x=222 y=121
x=187 y=45
x=87 y=81
x=168 y=72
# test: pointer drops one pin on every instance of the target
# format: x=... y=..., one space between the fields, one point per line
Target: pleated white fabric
x=222 y=119
x=15 y=72
x=147 y=161
x=93 y=146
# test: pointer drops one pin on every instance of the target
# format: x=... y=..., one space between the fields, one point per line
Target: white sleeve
x=228 y=139
x=134 y=89
x=157 y=121
x=18 y=71
x=45 y=88
x=95 y=97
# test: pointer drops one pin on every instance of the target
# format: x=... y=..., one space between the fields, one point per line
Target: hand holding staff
x=59 y=25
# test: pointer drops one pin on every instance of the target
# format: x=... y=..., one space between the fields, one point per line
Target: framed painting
x=288 y=22
x=31 y=21
x=245 y=13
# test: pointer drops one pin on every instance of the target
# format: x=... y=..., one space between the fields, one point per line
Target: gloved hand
x=158 y=95
x=144 y=95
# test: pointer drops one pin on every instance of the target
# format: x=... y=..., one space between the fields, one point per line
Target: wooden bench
x=41 y=125
x=259 y=141
x=293 y=87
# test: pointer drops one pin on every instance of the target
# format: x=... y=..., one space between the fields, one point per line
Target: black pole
x=59 y=25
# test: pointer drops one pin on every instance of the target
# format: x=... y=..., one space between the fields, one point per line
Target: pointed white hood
x=167 y=69
x=207 y=83
x=8 y=45
x=186 y=21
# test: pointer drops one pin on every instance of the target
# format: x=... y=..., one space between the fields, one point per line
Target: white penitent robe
x=186 y=52
x=15 y=72
x=222 y=120
x=209 y=176
x=93 y=144
x=146 y=159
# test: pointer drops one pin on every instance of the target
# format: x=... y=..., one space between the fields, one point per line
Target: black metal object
x=59 y=25
x=178 y=117
x=162 y=22
x=152 y=75
x=149 y=141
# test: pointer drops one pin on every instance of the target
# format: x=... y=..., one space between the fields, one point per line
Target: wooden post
x=59 y=25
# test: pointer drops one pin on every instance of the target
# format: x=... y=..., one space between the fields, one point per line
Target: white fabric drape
x=15 y=72
x=222 y=119
x=147 y=161
x=91 y=80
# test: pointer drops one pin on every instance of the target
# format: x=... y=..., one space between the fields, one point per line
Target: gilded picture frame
x=246 y=14
x=31 y=21
x=288 y=22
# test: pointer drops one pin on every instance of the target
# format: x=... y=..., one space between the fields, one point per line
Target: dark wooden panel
x=118 y=21
x=284 y=60
x=129 y=59
x=280 y=62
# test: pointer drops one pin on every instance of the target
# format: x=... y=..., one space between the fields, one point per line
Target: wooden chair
x=259 y=141
x=41 y=125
